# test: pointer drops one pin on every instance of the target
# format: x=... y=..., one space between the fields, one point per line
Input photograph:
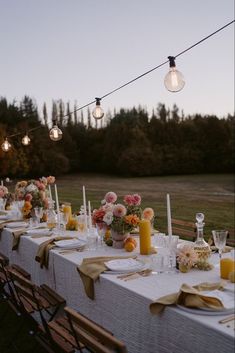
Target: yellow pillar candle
x=227 y=265
x=145 y=236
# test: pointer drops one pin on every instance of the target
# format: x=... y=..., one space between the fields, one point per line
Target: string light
x=177 y=83
x=174 y=80
x=55 y=133
x=6 y=146
x=98 y=112
x=26 y=140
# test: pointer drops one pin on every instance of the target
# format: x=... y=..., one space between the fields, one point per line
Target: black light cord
x=140 y=76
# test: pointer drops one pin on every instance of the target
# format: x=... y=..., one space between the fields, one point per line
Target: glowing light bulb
x=55 y=133
x=174 y=80
x=25 y=140
x=98 y=112
x=6 y=145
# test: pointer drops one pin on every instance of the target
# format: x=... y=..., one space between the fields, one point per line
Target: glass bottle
x=51 y=215
x=201 y=247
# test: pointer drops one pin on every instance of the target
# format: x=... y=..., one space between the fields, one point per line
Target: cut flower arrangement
x=123 y=217
x=34 y=193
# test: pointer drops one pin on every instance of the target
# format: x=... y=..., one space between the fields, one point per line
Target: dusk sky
x=78 y=50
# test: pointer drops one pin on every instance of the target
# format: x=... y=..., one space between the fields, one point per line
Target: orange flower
x=27 y=205
x=132 y=219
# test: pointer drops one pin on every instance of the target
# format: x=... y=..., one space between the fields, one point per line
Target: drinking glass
x=101 y=229
x=63 y=220
x=220 y=237
x=38 y=213
x=2 y=204
x=92 y=239
x=171 y=245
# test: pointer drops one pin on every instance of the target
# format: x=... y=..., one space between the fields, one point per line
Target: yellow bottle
x=145 y=236
x=227 y=265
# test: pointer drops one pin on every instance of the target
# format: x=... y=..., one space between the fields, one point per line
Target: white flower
x=108 y=218
x=31 y=188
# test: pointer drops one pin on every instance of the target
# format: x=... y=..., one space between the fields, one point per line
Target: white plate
x=70 y=243
x=225 y=296
x=3 y=217
x=16 y=225
x=125 y=265
x=44 y=231
x=206 y=312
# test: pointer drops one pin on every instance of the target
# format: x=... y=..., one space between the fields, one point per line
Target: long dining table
x=123 y=306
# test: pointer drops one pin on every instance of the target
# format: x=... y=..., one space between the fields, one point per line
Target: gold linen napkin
x=190 y=297
x=16 y=238
x=91 y=268
x=3 y=223
x=42 y=255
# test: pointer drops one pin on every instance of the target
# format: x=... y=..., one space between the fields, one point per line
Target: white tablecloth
x=123 y=307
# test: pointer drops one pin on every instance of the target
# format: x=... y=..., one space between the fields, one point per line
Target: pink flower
x=40 y=185
x=132 y=200
x=110 y=197
x=148 y=213
x=119 y=210
x=136 y=199
x=50 y=179
x=128 y=199
x=28 y=197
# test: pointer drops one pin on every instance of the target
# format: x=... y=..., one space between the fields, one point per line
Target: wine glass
x=101 y=230
x=38 y=213
x=63 y=220
x=220 y=237
x=171 y=245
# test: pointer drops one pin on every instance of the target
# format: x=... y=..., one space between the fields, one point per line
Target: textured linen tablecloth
x=123 y=307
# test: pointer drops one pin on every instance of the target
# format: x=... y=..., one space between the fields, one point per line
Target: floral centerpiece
x=121 y=218
x=3 y=191
x=186 y=258
x=34 y=193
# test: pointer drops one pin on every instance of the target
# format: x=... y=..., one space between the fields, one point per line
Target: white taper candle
x=57 y=201
x=169 y=215
x=84 y=206
x=89 y=215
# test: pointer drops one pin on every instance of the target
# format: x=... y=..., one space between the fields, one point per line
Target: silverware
x=68 y=251
x=136 y=274
x=227 y=319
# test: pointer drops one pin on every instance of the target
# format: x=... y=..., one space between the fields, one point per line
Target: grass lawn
x=211 y=194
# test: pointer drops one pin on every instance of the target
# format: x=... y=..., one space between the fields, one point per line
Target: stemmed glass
x=101 y=229
x=63 y=219
x=38 y=213
x=220 y=237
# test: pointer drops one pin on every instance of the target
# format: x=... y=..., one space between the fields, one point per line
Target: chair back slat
x=183 y=228
x=92 y=335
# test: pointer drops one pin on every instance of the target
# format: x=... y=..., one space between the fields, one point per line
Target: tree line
x=131 y=142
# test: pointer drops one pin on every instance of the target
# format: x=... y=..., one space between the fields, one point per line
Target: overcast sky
x=82 y=49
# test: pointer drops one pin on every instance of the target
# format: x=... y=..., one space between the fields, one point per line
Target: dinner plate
x=3 y=217
x=125 y=265
x=203 y=311
x=16 y=225
x=70 y=243
x=44 y=231
x=225 y=296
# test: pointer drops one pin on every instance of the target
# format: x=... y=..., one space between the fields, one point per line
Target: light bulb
x=55 y=133
x=6 y=145
x=25 y=140
x=174 y=80
x=98 y=112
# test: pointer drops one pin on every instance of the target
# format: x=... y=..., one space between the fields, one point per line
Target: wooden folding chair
x=185 y=229
x=33 y=299
x=84 y=334
x=231 y=238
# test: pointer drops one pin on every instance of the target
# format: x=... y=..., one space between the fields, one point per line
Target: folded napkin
x=42 y=255
x=16 y=238
x=188 y=296
x=91 y=268
x=2 y=224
